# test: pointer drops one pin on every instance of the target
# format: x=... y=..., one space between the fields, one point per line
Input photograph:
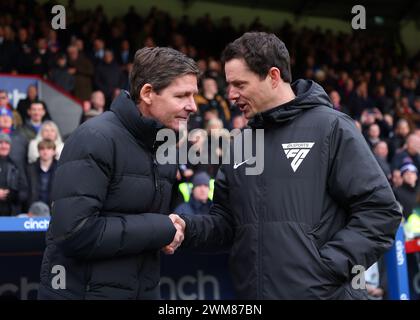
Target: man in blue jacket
x=321 y=206
x=199 y=202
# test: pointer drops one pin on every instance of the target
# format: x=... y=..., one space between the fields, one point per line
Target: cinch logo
x=32 y=224
x=297 y=151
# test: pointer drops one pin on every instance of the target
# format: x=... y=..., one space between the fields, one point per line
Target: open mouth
x=242 y=106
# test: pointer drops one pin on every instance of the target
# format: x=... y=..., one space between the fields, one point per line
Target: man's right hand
x=179 y=235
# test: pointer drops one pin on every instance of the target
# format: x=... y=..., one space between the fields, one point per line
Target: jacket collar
x=142 y=128
x=308 y=95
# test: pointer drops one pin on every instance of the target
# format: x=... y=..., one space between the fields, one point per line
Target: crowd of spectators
x=368 y=77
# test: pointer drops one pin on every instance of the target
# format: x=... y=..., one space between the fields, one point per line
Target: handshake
x=179 y=235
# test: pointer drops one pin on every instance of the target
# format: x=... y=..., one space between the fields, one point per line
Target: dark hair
x=261 y=51
x=158 y=66
x=46 y=144
x=38 y=102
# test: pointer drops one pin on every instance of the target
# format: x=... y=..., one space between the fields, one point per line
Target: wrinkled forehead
x=184 y=84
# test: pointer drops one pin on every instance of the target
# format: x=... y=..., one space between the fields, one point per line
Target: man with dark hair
x=210 y=100
x=111 y=198
x=25 y=104
x=406 y=194
x=32 y=125
x=321 y=206
x=108 y=76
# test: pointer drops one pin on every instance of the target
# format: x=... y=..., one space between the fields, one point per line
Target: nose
x=233 y=94
x=191 y=107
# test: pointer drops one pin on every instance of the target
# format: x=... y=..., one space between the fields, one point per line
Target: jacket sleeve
x=80 y=188
x=359 y=186
x=213 y=230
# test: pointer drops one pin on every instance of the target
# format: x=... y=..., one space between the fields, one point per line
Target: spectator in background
x=108 y=76
x=406 y=193
x=396 y=143
x=125 y=54
x=95 y=107
x=37 y=209
x=410 y=153
x=6 y=121
x=373 y=135
x=32 y=126
x=24 y=104
x=239 y=121
x=19 y=150
x=380 y=150
x=214 y=70
x=24 y=52
x=374 y=116
x=48 y=131
x=210 y=99
x=360 y=101
x=61 y=75
x=199 y=202
x=403 y=108
x=7 y=49
x=217 y=137
x=4 y=100
x=98 y=51
x=336 y=102
x=5 y=103
x=41 y=57
x=52 y=41
x=382 y=102
x=82 y=70
x=417 y=104
x=41 y=173
x=13 y=183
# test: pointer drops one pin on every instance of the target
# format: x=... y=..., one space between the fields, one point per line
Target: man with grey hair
x=37 y=209
x=111 y=198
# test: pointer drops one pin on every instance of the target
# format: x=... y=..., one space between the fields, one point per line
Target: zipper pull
x=155 y=172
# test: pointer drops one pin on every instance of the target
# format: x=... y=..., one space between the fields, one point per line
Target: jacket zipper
x=155 y=169
x=140 y=261
x=155 y=172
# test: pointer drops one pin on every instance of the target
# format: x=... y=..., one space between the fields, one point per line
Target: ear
x=146 y=93
x=274 y=77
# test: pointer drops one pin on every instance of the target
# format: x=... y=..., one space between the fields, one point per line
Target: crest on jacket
x=298 y=151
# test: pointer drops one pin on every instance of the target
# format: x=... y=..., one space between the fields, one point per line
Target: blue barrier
x=184 y=275
x=11 y=224
x=396 y=260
